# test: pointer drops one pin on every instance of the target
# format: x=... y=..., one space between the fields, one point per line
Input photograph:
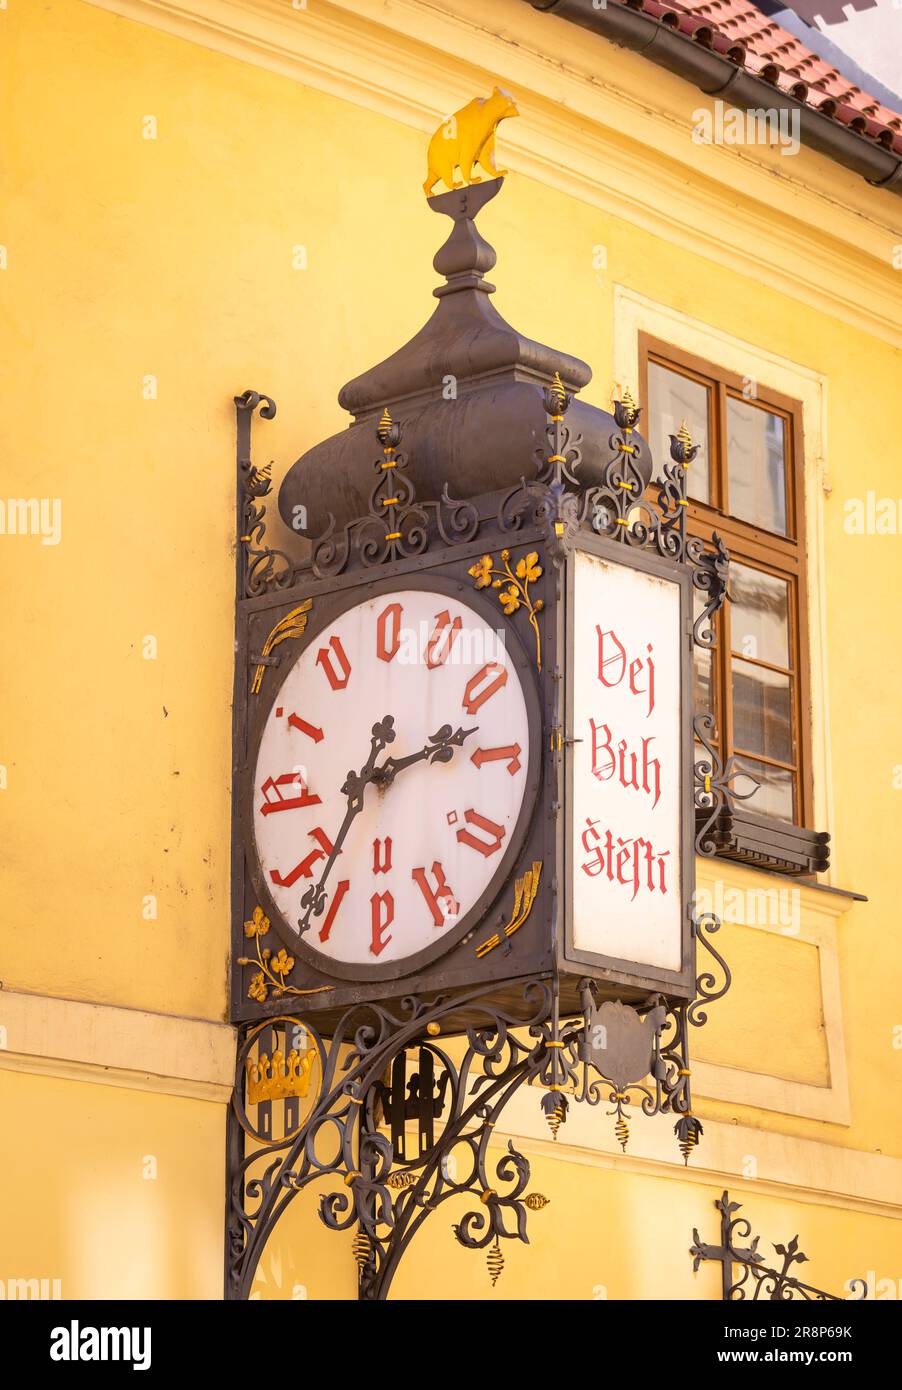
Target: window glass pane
x=774 y=796
x=671 y=399
x=759 y=615
x=756 y=462
x=762 y=711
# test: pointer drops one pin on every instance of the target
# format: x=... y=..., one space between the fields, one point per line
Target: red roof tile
x=741 y=32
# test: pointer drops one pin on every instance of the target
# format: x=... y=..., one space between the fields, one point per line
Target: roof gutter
x=718 y=76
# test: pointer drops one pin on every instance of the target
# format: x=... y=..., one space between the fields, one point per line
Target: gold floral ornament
x=273 y=968
x=513 y=587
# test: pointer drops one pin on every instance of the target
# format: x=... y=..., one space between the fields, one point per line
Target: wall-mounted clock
x=392 y=767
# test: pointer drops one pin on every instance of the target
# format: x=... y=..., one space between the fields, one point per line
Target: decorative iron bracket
x=754 y=1280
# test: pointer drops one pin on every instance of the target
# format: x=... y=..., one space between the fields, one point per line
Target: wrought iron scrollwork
x=397 y=526
x=714 y=787
x=708 y=986
x=752 y=1278
x=552 y=500
x=262 y=567
x=351 y=1101
x=383 y=1198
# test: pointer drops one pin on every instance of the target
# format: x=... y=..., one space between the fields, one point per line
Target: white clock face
x=391 y=775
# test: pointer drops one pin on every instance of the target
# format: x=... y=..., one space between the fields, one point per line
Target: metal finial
x=383 y=429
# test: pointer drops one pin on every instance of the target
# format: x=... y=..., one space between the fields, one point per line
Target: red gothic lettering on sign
x=438 y=648
x=510 y=754
x=388 y=632
x=324 y=658
x=305 y=868
x=485 y=847
x=440 y=916
x=340 y=889
x=278 y=802
x=383 y=909
x=382 y=855
x=477 y=691
x=624 y=763
x=633 y=862
x=612 y=654
x=296 y=722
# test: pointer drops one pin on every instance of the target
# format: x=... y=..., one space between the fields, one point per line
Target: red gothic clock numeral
x=444 y=635
x=495 y=832
x=278 y=802
x=296 y=722
x=383 y=914
x=340 y=889
x=382 y=855
x=483 y=685
x=511 y=754
x=388 y=632
x=432 y=895
x=305 y=868
x=324 y=658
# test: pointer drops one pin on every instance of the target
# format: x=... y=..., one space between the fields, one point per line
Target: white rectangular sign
x=626 y=787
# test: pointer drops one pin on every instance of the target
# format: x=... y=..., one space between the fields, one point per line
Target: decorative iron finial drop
x=554 y=1108
x=362 y=1249
x=688 y=1131
x=621 y=1125
x=495 y=1261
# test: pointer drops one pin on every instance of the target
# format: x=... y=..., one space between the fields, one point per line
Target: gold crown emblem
x=277 y=1078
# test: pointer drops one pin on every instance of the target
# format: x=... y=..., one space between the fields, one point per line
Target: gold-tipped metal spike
x=684 y=436
x=558 y=392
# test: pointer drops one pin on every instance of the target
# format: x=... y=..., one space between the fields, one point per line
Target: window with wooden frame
x=746 y=483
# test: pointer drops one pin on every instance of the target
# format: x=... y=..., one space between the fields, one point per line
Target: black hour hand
x=439 y=749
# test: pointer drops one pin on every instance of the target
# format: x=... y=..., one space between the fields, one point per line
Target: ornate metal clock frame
x=385 y=1094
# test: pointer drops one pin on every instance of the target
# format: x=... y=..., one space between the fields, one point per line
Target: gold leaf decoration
x=525 y=890
x=512 y=587
x=292 y=625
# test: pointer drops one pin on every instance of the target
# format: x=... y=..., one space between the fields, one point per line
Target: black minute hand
x=354 y=788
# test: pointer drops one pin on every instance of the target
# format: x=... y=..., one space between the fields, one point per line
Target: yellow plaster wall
x=116 y=1193
x=172 y=258
x=605 y=1234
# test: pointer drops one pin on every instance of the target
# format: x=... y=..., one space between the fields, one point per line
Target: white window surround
x=635 y=314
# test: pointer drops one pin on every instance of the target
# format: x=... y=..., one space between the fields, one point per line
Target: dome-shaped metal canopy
x=467 y=390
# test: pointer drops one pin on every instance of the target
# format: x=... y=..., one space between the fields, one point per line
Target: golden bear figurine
x=468 y=138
